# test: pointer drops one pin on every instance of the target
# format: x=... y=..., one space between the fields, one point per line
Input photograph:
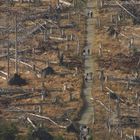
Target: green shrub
x=8 y=131
x=59 y=138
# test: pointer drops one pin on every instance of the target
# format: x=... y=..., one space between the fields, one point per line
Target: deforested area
x=41 y=68
x=69 y=70
x=117 y=61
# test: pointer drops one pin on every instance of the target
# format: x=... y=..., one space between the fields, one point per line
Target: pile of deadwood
x=120 y=61
x=134 y=9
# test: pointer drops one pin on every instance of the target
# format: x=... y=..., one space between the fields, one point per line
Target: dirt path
x=87 y=116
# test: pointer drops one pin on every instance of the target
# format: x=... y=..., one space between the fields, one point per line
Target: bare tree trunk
x=138 y=105
x=16 y=47
x=45 y=35
x=33 y=51
x=8 y=62
x=102 y=79
x=118 y=108
x=98 y=22
x=100 y=50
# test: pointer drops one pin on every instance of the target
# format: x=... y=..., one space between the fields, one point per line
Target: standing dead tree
x=102 y=79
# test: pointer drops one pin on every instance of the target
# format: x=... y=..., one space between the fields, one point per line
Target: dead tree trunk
x=100 y=50
x=138 y=103
x=78 y=46
x=100 y=4
x=45 y=35
x=118 y=108
x=16 y=47
x=33 y=51
x=8 y=63
x=98 y=22
x=102 y=79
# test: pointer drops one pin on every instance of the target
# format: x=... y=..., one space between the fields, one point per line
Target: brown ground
x=74 y=82
x=118 y=62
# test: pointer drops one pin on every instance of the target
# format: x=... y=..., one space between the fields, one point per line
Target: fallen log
x=102 y=104
x=49 y=119
x=65 y=3
x=29 y=120
x=20 y=111
x=58 y=38
x=131 y=81
x=114 y=95
x=26 y=64
x=133 y=16
x=30 y=104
